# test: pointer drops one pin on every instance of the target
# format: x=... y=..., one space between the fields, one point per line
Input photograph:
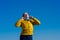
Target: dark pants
x=26 y=37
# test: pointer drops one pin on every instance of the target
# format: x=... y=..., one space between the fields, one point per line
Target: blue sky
x=47 y=11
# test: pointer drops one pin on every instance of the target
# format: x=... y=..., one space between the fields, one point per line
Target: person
x=27 y=22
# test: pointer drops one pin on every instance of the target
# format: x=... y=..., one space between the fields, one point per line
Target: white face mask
x=27 y=18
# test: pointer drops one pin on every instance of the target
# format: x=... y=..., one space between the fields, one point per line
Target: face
x=25 y=15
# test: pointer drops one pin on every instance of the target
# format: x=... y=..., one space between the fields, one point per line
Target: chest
x=26 y=24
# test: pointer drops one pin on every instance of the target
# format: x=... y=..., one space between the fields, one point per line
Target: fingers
x=30 y=17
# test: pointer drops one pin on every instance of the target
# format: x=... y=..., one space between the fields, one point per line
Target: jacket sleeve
x=35 y=21
x=18 y=23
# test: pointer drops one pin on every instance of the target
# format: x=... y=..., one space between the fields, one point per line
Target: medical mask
x=27 y=18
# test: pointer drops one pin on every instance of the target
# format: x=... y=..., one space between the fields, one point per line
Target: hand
x=30 y=17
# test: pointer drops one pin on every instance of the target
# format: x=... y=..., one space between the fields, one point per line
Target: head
x=25 y=15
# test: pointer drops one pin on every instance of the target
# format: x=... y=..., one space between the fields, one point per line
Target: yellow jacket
x=27 y=26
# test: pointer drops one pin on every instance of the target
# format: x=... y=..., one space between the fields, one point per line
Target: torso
x=27 y=27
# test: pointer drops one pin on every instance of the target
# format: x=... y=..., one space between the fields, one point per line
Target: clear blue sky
x=47 y=11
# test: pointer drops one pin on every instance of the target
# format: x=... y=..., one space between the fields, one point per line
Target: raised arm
x=35 y=21
x=18 y=23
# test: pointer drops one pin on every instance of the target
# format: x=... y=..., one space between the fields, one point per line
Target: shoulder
x=20 y=20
